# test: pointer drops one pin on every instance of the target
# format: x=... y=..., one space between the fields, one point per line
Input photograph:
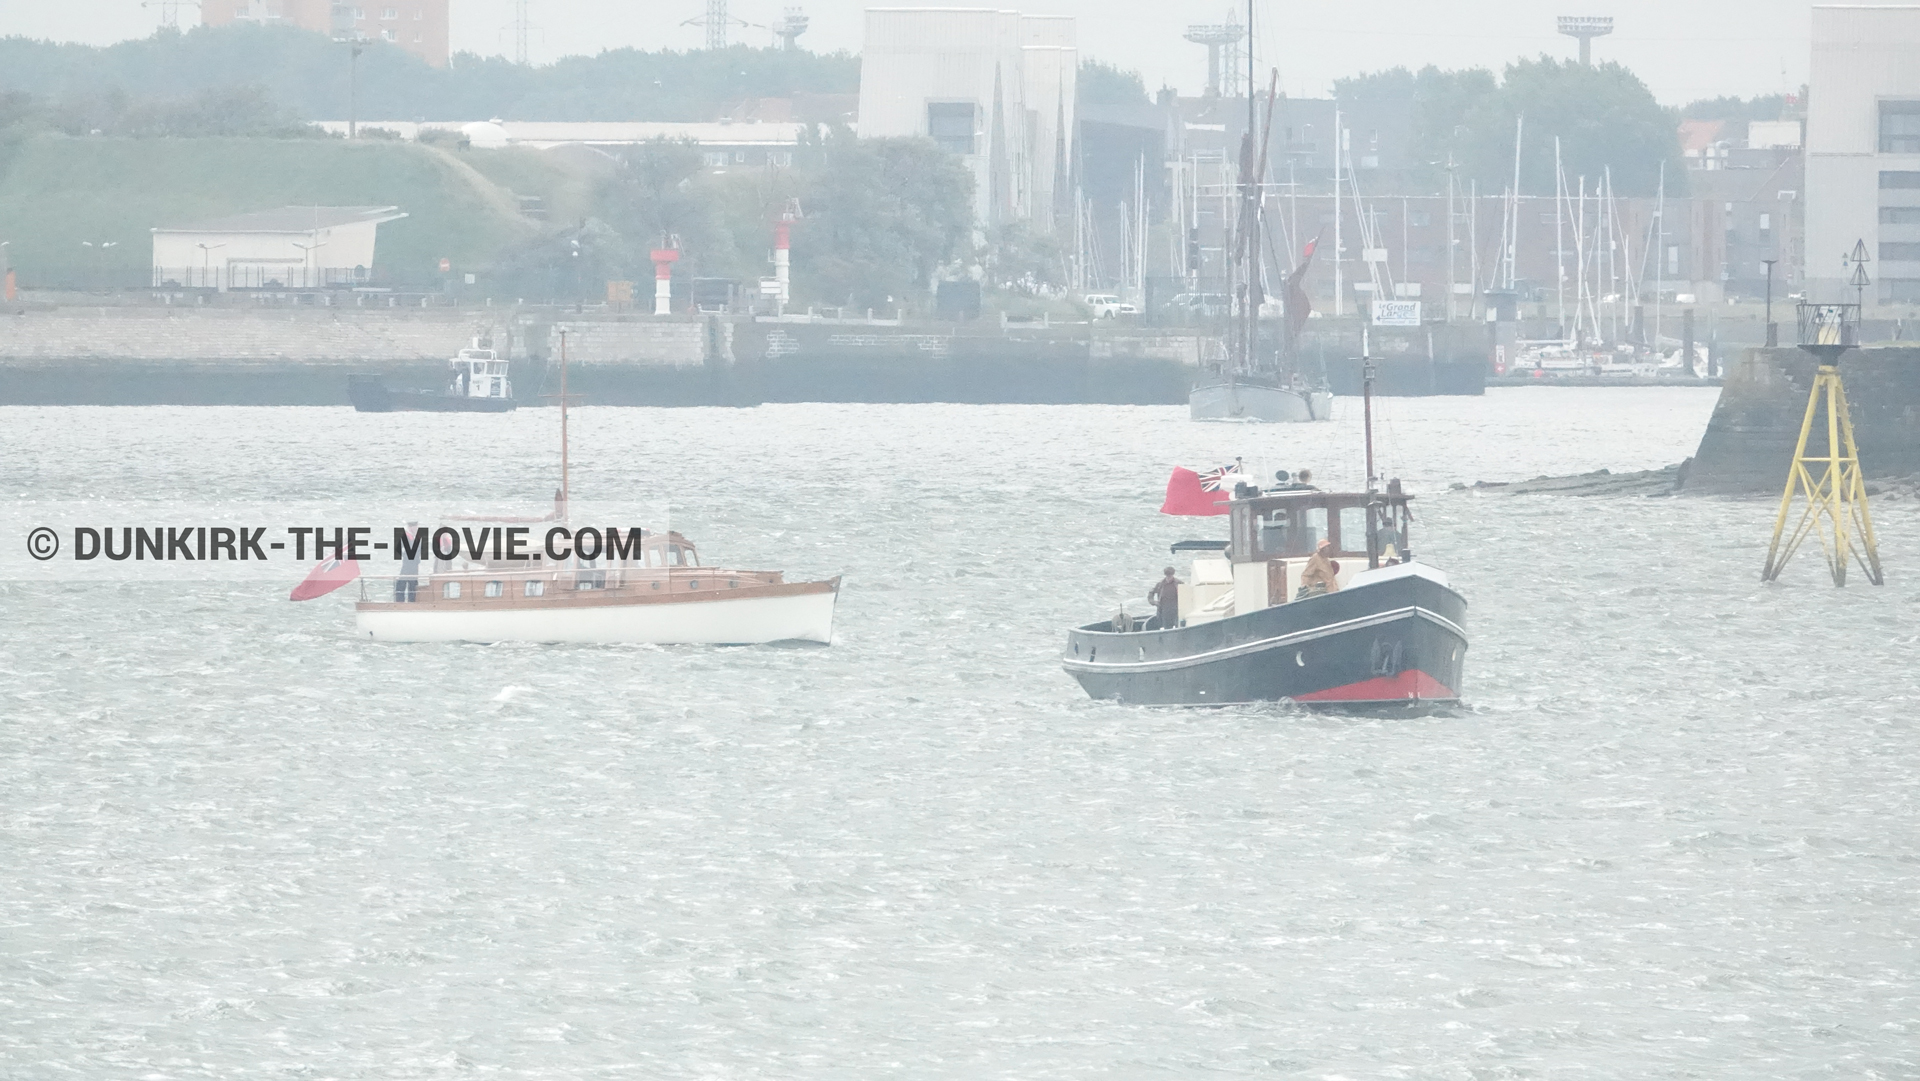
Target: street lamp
x=100 y=265
x=1773 y=329
x=206 y=262
x=307 y=251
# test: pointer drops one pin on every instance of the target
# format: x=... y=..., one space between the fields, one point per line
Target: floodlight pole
x=1773 y=329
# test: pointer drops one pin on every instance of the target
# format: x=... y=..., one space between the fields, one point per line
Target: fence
x=260 y=277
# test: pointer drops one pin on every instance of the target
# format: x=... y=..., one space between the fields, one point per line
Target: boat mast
x=1366 y=400
x=565 y=491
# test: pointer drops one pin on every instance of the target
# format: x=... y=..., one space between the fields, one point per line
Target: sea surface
x=1672 y=835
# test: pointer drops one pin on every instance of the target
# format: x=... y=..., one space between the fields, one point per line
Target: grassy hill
x=57 y=191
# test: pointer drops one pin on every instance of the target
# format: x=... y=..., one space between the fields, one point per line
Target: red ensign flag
x=1199 y=494
x=325 y=578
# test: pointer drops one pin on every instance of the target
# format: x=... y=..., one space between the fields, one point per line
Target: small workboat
x=479 y=384
x=1260 y=621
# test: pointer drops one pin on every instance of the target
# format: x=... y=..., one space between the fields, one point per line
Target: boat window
x=496 y=589
x=1353 y=530
x=536 y=589
x=693 y=557
x=1311 y=530
x=451 y=590
x=653 y=557
x=1294 y=531
x=674 y=553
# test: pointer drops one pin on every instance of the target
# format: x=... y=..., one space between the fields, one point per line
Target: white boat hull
x=793 y=617
x=1258 y=402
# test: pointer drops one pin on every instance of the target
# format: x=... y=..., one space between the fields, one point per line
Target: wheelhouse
x=1291 y=524
x=480 y=373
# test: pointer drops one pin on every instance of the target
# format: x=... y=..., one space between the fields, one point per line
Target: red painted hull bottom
x=1412 y=685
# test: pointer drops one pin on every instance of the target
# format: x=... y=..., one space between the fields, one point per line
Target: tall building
x=996 y=88
x=1863 y=152
x=418 y=26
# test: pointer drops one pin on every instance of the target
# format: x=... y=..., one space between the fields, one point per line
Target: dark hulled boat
x=1259 y=620
x=1393 y=634
x=479 y=384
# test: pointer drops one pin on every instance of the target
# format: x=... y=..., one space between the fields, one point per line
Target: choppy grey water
x=1673 y=836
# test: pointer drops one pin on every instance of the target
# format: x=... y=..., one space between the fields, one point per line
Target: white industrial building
x=994 y=87
x=1863 y=151
x=292 y=247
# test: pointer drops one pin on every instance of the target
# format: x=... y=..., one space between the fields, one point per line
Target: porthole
x=733 y=583
x=656 y=585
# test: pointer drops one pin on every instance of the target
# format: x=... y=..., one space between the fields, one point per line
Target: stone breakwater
x=1764 y=398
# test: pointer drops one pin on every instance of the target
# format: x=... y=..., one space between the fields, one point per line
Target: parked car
x=1200 y=305
x=1104 y=305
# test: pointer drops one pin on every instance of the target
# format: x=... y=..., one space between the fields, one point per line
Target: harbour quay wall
x=153 y=355
x=1409 y=362
x=1750 y=438
x=225 y=356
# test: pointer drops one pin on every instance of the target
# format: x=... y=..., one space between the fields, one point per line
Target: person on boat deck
x=1321 y=573
x=1165 y=597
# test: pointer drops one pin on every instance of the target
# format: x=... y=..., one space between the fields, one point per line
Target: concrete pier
x=1750 y=439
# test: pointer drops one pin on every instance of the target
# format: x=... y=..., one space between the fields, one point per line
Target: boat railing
x=488 y=584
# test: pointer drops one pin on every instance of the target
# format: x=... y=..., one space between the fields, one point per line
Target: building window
x=782 y=158
x=716 y=159
x=739 y=157
x=1899 y=180
x=1900 y=290
x=1673 y=259
x=1766 y=223
x=1900 y=215
x=451 y=590
x=387 y=35
x=496 y=589
x=390 y=13
x=950 y=124
x=1900 y=127
x=1900 y=252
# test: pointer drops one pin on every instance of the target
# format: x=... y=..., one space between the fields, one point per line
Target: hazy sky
x=1684 y=49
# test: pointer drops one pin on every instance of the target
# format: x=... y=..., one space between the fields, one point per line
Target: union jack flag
x=1214 y=480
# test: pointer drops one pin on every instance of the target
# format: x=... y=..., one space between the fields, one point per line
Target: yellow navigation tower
x=1827 y=474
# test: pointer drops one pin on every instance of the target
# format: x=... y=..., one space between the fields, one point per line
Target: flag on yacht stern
x=325 y=578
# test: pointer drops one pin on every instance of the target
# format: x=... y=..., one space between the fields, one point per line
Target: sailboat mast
x=1251 y=210
x=1559 y=237
x=566 y=492
x=1339 y=287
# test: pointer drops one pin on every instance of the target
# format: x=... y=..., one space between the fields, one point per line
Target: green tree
x=880 y=216
x=1604 y=116
x=309 y=74
x=1104 y=84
